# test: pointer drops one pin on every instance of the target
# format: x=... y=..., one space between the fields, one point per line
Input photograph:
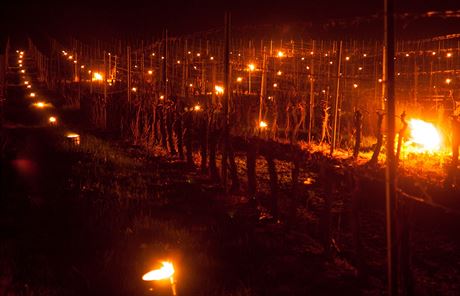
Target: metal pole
x=226 y=98
x=336 y=102
x=390 y=182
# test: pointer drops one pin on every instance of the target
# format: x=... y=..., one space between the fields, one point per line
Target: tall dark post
x=390 y=182
x=226 y=98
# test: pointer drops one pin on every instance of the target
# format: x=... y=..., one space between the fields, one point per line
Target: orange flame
x=423 y=137
x=165 y=272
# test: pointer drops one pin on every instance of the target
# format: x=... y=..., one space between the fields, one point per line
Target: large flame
x=165 y=272
x=423 y=137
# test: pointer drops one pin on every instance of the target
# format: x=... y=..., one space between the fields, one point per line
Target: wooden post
x=128 y=75
x=336 y=101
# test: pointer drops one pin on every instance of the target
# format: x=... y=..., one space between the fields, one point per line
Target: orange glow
x=23 y=71
x=449 y=55
x=279 y=73
x=150 y=72
x=448 y=80
x=280 y=54
x=251 y=67
x=29 y=86
x=134 y=89
x=74 y=138
x=263 y=124
x=239 y=79
x=52 y=120
x=32 y=95
x=197 y=108
x=26 y=82
x=165 y=272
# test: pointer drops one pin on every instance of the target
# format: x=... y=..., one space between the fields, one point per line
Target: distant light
x=312 y=53
x=399 y=74
x=331 y=62
x=23 y=71
x=153 y=54
x=29 y=86
x=239 y=79
x=189 y=52
x=82 y=66
x=308 y=67
x=162 y=97
x=26 y=82
x=360 y=68
x=251 y=67
x=280 y=54
x=21 y=53
x=52 y=120
x=380 y=80
x=134 y=89
x=150 y=72
x=279 y=73
x=191 y=85
x=211 y=58
x=198 y=54
x=407 y=54
x=347 y=58
x=197 y=108
x=433 y=53
x=302 y=59
x=448 y=80
x=178 y=61
x=364 y=54
x=20 y=61
x=32 y=95
x=162 y=58
x=275 y=84
x=75 y=61
x=263 y=124
x=449 y=55
x=355 y=85
x=70 y=57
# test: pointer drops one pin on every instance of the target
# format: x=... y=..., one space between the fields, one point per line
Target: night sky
x=143 y=18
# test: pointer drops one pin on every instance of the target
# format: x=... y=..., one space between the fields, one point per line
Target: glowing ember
x=424 y=137
x=165 y=272
x=73 y=138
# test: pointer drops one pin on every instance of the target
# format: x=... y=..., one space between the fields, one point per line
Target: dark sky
x=140 y=18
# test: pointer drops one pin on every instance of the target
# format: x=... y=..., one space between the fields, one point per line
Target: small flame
x=165 y=272
x=40 y=105
x=97 y=76
x=424 y=137
x=219 y=89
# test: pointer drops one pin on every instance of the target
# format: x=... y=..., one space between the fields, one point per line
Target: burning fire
x=423 y=137
x=165 y=272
